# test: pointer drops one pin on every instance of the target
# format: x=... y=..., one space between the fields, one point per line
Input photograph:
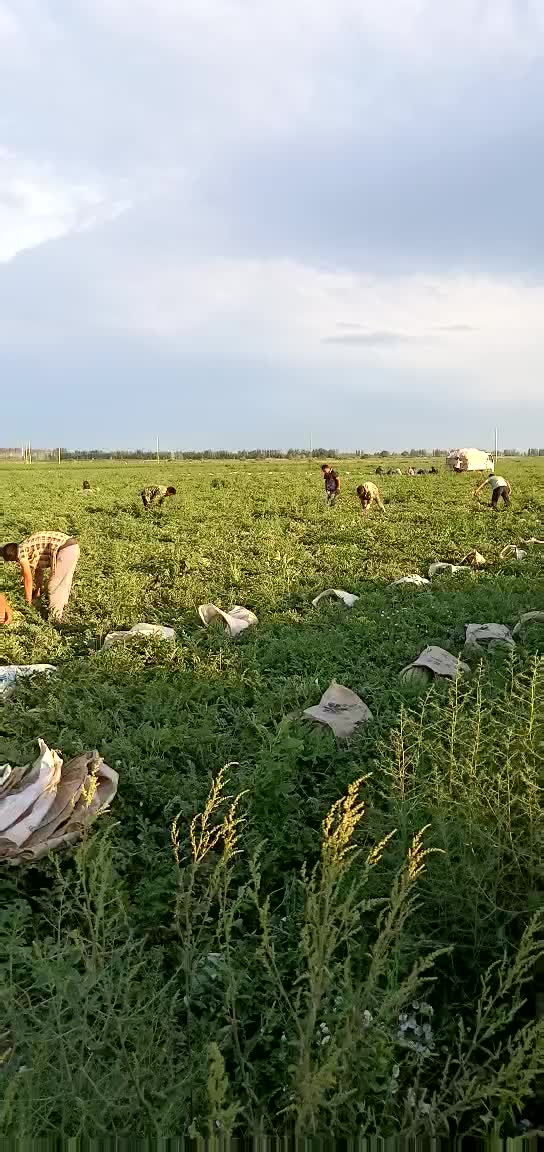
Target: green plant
x=465 y=759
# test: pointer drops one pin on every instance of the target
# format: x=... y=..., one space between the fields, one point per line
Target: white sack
x=341 y=709
x=159 y=630
x=236 y=620
x=348 y=598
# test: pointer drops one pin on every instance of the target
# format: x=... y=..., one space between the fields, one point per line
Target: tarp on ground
x=50 y=803
x=469 y=460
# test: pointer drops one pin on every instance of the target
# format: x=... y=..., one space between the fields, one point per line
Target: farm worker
x=6 y=615
x=332 y=483
x=499 y=487
x=43 y=550
x=369 y=494
x=156 y=495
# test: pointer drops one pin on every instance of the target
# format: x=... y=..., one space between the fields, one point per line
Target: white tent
x=469 y=460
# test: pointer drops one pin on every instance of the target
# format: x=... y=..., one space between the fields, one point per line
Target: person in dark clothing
x=332 y=483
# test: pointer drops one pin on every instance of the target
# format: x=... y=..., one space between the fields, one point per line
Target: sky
x=239 y=223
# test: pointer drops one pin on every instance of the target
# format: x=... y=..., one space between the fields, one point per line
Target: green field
x=267 y=985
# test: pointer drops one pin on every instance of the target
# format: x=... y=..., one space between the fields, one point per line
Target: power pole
x=496 y=443
x=157 y=449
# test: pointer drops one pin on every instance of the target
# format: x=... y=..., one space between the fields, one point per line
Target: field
x=279 y=972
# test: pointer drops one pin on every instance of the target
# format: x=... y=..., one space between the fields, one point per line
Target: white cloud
x=215 y=119
x=253 y=68
x=475 y=328
x=37 y=206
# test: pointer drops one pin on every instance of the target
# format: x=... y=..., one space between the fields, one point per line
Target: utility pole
x=157 y=449
x=496 y=444
x=59 y=455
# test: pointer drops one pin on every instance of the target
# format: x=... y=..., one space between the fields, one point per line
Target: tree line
x=44 y=454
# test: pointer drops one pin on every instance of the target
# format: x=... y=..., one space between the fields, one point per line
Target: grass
x=256 y=974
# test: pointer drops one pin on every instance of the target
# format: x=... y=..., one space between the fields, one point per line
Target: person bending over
x=369 y=494
x=156 y=495
x=499 y=488
x=36 y=554
x=332 y=483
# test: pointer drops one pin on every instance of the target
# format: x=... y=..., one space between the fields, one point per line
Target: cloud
x=368 y=339
x=314 y=188
x=457 y=328
x=36 y=206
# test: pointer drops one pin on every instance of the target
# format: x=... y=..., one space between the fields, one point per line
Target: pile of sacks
x=49 y=804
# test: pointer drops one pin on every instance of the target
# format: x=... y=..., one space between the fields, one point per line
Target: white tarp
x=469 y=460
x=9 y=673
x=451 y=569
x=419 y=581
x=159 y=630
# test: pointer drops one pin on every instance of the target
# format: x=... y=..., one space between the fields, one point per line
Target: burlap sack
x=525 y=619
x=439 y=662
x=341 y=709
x=480 y=637
x=475 y=559
x=236 y=620
x=512 y=552
x=52 y=803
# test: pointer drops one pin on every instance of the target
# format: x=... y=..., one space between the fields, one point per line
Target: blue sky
x=233 y=223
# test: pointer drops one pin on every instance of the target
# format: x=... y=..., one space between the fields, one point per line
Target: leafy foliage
x=236 y=949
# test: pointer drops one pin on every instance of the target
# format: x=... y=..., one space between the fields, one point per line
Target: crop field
x=348 y=939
